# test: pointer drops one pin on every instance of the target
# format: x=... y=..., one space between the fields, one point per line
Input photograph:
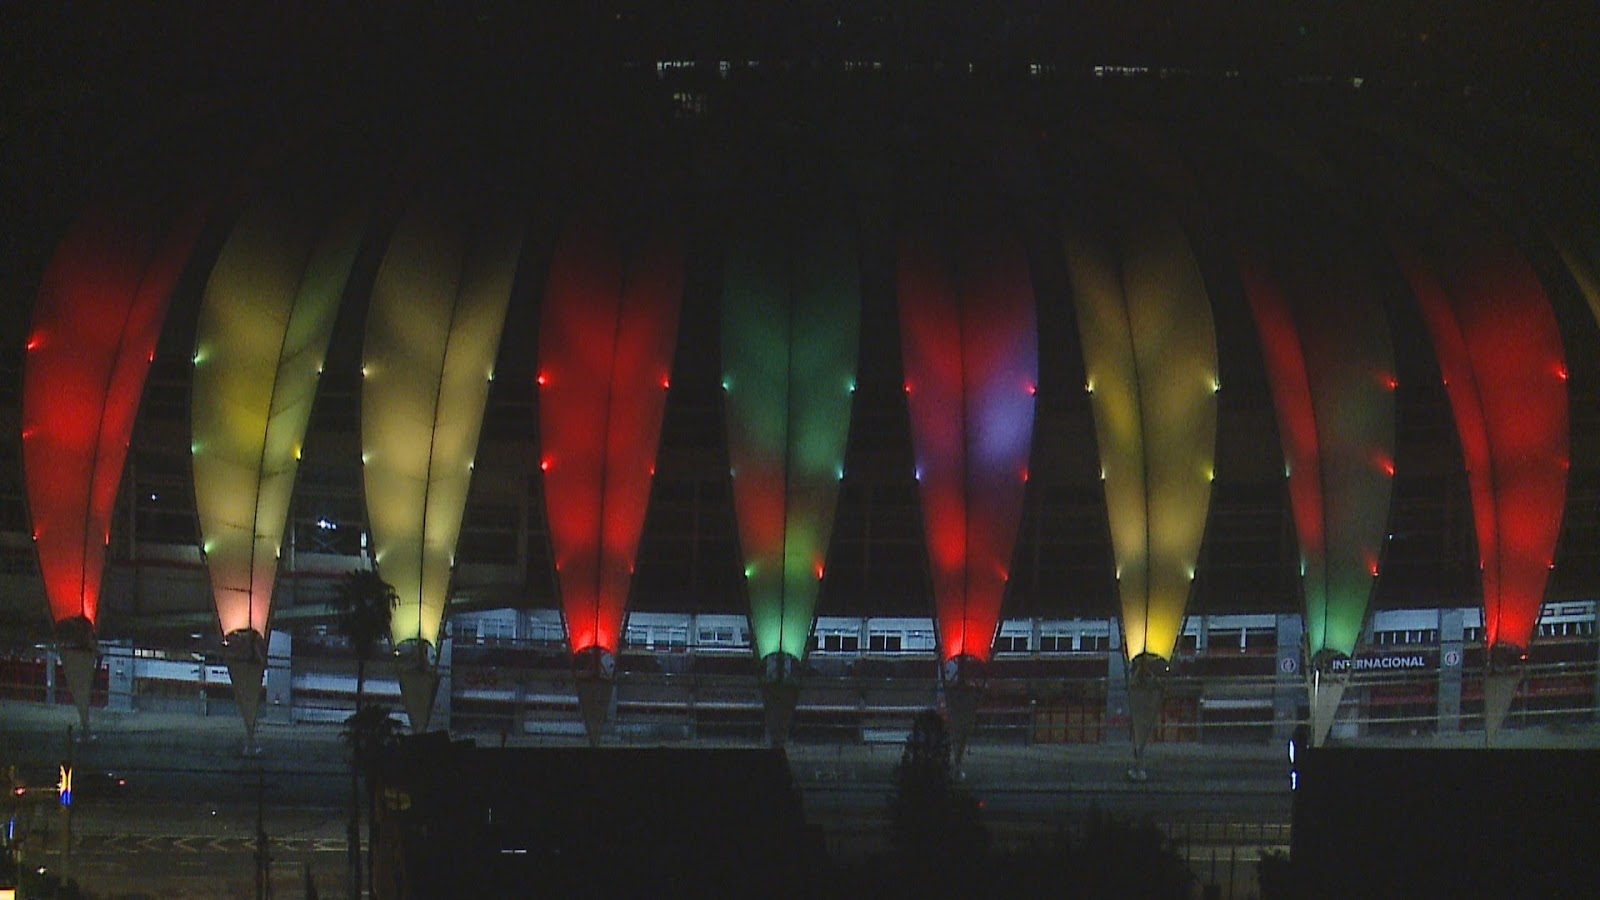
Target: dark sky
x=83 y=83
x=60 y=55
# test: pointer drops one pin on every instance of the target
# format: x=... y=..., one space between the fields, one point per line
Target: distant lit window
x=689 y=104
x=1405 y=637
x=1011 y=643
x=499 y=629
x=841 y=643
x=546 y=632
x=884 y=642
x=721 y=635
x=1057 y=643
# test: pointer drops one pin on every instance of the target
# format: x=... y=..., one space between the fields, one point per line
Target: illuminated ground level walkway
x=1239 y=681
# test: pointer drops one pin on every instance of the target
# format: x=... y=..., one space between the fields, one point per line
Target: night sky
x=82 y=82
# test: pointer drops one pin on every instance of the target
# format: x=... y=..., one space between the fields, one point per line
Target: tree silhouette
x=1112 y=858
x=370 y=733
x=364 y=604
x=937 y=844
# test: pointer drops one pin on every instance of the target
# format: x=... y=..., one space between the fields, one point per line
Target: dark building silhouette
x=456 y=820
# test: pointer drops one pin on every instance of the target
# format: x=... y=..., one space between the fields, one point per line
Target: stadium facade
x=748 y=409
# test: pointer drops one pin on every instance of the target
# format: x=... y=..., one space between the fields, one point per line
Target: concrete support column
x=119 y=674
x=1597 y=682
x=1452 y=644
x=1118 y=717
x=519 y=710
x=50 y=662
x=441 y=704
x=280 y=679
x=1289 y=684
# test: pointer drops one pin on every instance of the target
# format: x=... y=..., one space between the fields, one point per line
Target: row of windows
x=671 y=638
x=1567 y=629
x=1054 y=643
x=918 y=641
x=1408 y=636
x=725 y=636
x=914 y=641
x=656 y=638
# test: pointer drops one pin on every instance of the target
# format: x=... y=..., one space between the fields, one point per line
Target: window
x=841 y=643
x=1224 y=639
x=689 y=104
x=1566 y=629
x=550 y=632
x=498 y=629
x=1057 y=643
x=659 y=637
x=1260 y=638
x=1406 y=637
x=884 y=642
x=1011 y=643
x=1094 y=643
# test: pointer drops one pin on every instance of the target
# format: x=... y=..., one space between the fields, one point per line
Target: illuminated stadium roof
x=1032 y=339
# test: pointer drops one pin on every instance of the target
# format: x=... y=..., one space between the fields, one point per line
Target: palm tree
x=364 y=604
